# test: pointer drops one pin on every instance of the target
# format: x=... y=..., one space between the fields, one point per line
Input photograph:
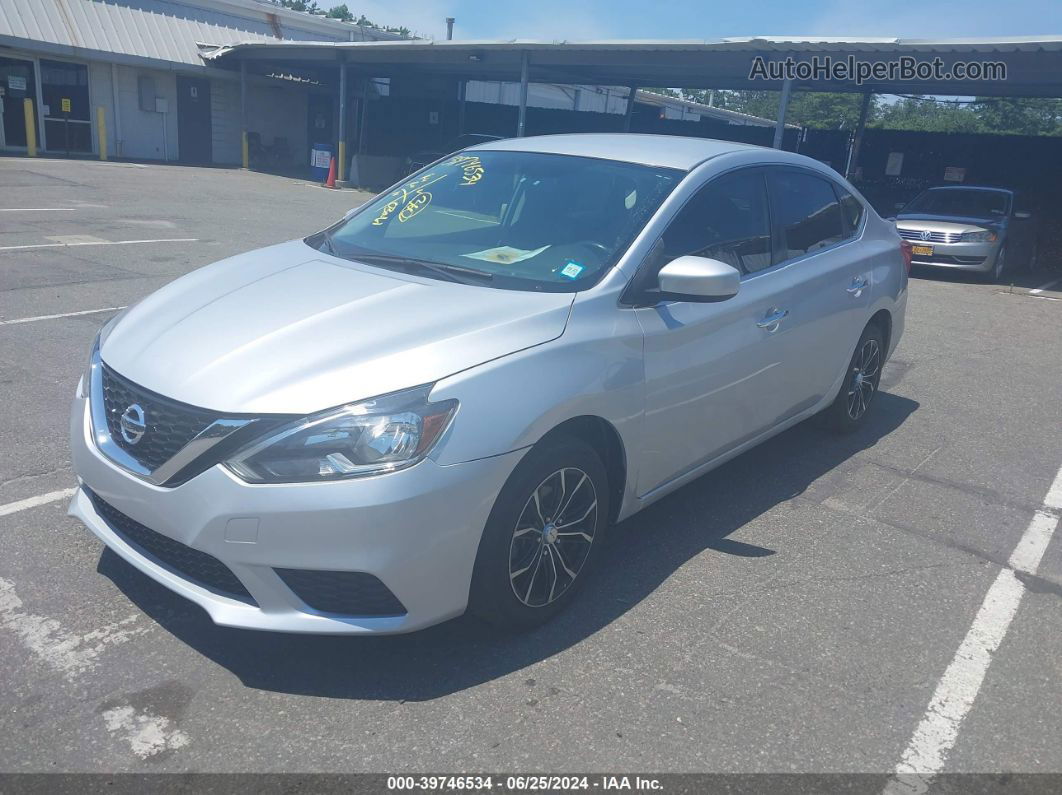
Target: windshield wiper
x=454 y=273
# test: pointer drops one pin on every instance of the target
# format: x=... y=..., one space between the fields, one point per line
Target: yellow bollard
x=101 y=124
x=31 y=128
x=246 y=157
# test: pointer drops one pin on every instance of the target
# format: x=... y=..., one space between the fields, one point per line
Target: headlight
x=984 y=236
x=366 y=438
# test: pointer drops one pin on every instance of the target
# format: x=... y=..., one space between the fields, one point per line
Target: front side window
x=514 y=220
x=726 y=220
x=808 y=213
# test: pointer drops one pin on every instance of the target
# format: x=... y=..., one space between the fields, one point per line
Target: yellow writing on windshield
x=472 y=170
x=404 y=197
x=414 y=206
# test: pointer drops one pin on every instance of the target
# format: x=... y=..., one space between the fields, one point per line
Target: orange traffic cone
x=331 y=181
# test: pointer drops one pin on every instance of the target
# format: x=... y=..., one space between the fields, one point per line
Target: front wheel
x=542 y=537
x=849 y=409
x=996 y=274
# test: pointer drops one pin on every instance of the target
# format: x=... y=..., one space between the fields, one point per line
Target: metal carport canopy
x=1033 y=64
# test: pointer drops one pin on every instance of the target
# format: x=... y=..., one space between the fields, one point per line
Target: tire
x=995 y=276
x=852 y=404
x=522 y=573
x=1033 y=263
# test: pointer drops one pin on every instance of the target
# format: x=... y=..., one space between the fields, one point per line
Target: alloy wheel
x=864 y=378
x=552 y=537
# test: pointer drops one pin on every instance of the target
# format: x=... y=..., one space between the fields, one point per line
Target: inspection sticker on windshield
x=505 y=255
x=572 y=270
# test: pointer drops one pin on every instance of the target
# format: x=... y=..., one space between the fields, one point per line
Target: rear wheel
x=849 y=409
x=542 y=537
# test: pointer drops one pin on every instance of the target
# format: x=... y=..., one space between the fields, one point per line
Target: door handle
x=773 y=319
x=858 y=285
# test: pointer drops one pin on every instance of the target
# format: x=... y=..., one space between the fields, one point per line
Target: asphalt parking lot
x=793 y=611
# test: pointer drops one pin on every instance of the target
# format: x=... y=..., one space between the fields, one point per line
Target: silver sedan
x=442 y=402
x=969 y=228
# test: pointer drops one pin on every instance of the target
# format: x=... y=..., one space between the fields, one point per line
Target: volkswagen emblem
x=132 y=424
x=925 y=234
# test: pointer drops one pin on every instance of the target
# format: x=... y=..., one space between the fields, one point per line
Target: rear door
x=823 y=280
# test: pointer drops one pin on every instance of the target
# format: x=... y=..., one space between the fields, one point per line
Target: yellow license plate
x=922 y=251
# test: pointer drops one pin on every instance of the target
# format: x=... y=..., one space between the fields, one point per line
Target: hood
x=946 y=223
x=289 y=329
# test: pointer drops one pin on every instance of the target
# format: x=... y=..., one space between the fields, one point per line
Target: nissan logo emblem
x=132 y=424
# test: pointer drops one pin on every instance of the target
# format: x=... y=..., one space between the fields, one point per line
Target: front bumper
x=974 y=257
x=416 y=530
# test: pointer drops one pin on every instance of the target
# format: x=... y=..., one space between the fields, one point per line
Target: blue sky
x=709 y=19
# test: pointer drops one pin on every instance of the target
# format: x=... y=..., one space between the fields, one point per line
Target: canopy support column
x=630 y=108
x=857 y=139
x=783 y=106
x=243 y=115
x=462 y=90
x=521 y=122
x=341 y=147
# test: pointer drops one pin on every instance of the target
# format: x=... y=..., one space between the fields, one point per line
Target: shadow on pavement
x=642 y=553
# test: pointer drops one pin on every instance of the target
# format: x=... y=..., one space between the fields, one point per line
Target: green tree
x=301 y=5
x=922 y=113
x=341 y=13
x=1019 y=116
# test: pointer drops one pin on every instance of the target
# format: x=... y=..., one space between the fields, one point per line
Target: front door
x=713 y=371
x=193 y=120
x=66 y=107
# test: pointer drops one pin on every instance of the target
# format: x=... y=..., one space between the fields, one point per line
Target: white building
x=139 y=61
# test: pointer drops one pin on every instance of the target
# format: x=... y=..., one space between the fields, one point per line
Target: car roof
x=669 y=151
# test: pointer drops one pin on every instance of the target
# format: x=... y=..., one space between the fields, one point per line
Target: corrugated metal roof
x=164 y=30
x=1034 y=63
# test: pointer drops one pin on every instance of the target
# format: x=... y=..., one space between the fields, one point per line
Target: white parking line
x=146 y=733
x=33 y=502
x=101 y=243
x=16 y=320
x=936 y=734
x=1043 y=287
x=37 y=209
x=67 y=652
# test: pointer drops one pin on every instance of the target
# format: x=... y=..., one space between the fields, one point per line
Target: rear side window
x=808 y=213
x=851 y=209
x=727 y=220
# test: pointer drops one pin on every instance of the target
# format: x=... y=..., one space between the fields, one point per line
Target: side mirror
x=698 y=279
x=1023 y=214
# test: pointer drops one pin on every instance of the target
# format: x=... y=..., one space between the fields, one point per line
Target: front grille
x=170 y=425
x=199 y=567
x=348 y=593
x=934 y=237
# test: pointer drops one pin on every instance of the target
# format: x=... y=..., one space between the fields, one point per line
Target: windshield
x=961 y=202
x=514 y=220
